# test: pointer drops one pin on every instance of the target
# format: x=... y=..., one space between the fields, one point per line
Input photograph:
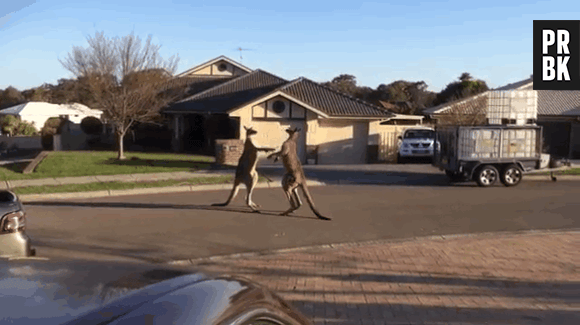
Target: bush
x=91 y=125
x=14 y=126
x=51 y=127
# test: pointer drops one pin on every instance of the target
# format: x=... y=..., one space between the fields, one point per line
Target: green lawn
x=88 y=163
x=123 y=186
x=572 y=171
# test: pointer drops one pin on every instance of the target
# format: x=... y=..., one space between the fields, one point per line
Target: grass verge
x=71 y=188
x=90 y=163
x=572 y=171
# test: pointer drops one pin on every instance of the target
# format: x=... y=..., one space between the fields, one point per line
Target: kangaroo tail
x=311 y=202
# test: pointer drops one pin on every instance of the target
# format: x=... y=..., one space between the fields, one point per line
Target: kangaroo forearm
x=275 y=154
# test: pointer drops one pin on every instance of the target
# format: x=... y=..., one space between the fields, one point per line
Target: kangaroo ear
x=245 y=127
x=298 y=129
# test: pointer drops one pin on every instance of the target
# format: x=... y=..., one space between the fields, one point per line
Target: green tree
x=123 y=76
x=465 y=87
x=10 y=97
x=38 y=94
x=344 y=83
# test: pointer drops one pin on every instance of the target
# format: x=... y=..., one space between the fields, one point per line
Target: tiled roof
x=231 y=94
x=330 y=101
x=464 y=104
x=520 y=85
x=559 y=102
x=550 y=102
x=179 y=82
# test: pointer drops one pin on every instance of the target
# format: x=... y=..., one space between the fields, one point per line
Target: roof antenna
x=241 y=49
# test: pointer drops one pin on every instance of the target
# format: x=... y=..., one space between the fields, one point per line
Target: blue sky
x=378 y=42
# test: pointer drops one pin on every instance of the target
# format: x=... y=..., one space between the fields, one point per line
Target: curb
x=142 y=191
x=502 y=234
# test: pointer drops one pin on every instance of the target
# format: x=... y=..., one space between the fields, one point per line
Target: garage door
x=350 y=148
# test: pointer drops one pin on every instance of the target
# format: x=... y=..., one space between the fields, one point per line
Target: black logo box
x=573 y=27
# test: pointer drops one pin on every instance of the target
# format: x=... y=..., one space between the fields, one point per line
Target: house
x=39 y=112
x=335 y=126
x=558 y=114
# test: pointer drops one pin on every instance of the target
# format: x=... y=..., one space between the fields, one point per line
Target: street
x=165 y=227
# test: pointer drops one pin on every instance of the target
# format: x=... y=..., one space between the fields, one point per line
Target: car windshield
x=420 y=134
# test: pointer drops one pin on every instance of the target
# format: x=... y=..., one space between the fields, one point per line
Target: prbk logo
x=556 y=55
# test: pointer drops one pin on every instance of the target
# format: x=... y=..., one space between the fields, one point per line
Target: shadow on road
x=338 y=175
x=128 y=205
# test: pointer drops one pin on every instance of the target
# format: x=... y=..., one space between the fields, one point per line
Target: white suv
x=416 y=143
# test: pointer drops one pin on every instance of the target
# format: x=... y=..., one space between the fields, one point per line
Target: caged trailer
x=485 y=154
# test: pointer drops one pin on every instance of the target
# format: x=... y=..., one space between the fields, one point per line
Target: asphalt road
x=159 y=228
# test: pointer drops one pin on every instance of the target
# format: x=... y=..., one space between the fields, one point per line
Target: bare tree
x=467 y=112
x=125 y=78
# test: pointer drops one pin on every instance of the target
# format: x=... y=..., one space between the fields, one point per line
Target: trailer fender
x=472 y=170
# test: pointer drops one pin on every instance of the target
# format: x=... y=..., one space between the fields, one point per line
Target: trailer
x=489 y=153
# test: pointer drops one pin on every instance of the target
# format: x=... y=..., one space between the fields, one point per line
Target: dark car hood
x=40 y=292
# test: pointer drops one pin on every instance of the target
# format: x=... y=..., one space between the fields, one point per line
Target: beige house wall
x=338 y=141
x=271 y=132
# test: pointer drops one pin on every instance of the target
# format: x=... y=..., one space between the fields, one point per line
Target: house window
x=278 y=107
x=222 y=67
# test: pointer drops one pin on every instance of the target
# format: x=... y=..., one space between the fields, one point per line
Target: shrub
x=14 y=126
x=51 y=127
x=91 y=125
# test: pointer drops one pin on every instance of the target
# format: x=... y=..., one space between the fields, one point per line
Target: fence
x=22 y=142
x=388 y=143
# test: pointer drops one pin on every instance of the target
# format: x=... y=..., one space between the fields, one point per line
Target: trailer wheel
x=511 y=175
x=486 y=176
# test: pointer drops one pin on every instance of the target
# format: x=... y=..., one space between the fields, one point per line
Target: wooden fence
x=388 y=145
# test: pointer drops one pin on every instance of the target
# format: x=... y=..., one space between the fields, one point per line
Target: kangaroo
x=246 y=171
x=294 y=176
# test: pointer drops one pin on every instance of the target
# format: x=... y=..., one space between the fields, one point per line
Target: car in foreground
x=416 y=143
x=91 y=293
x=13 y=239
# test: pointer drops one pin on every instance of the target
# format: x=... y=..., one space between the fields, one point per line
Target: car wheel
x=486 y=176
x=511 y=175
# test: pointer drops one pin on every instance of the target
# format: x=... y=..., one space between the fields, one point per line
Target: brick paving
x=482 y=279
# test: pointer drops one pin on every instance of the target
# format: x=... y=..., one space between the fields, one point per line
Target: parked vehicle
x=82 y=292
x=416 y=143
x=489 y=153
x=13 y=239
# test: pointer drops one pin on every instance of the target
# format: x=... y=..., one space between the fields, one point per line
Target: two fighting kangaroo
x=294 y=177
x=246 y=171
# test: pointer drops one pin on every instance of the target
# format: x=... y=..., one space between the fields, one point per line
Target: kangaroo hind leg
x=251 y=185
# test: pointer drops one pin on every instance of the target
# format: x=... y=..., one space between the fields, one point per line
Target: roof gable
x=212 y=68
x=233 y=93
